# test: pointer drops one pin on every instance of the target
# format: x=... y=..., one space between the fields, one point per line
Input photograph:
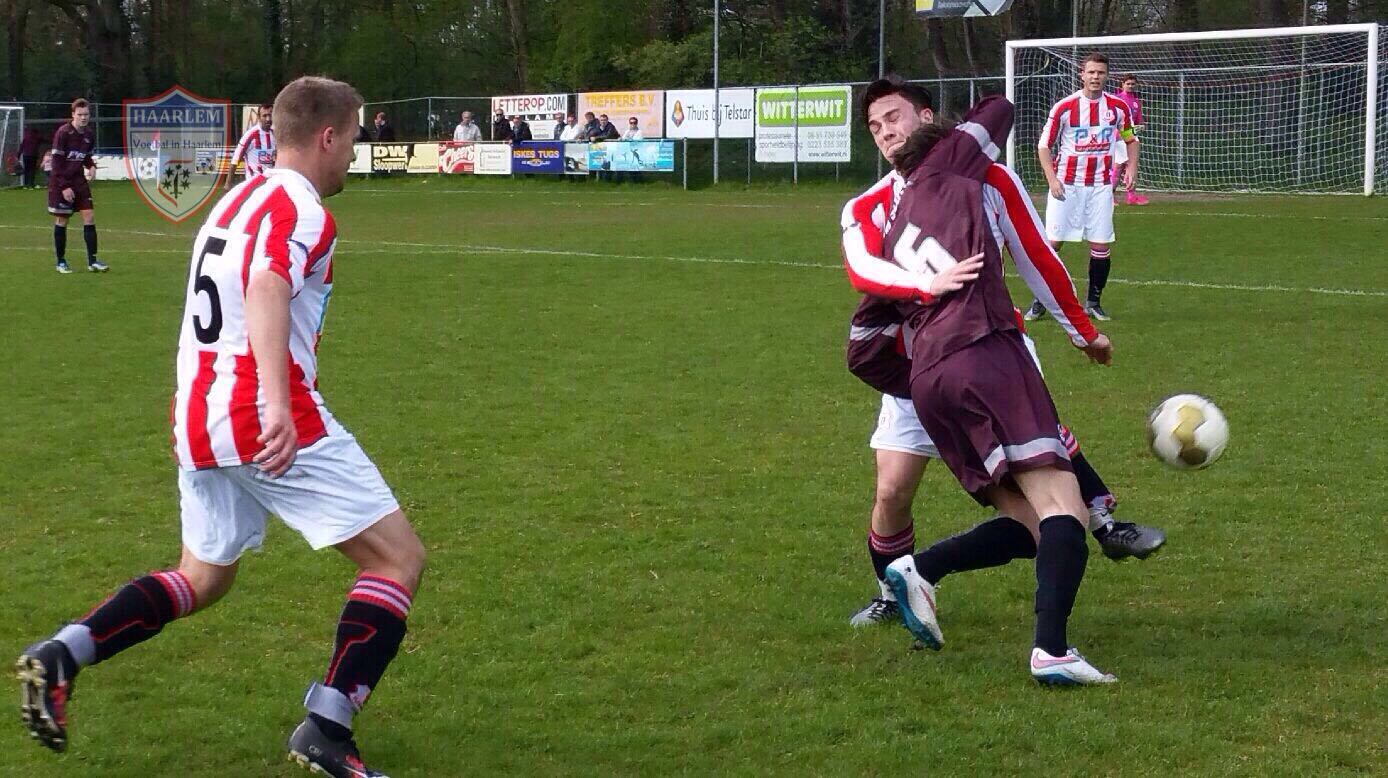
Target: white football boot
x=916 y=599
x=1069 y=670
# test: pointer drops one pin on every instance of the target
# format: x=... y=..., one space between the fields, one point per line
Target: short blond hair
x=308 y=104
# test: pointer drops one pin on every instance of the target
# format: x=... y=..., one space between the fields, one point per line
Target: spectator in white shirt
x=572 y=131
x=466 y=129
x=633 y=130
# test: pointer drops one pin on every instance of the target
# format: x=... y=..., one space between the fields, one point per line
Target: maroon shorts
x=989 y=412
x=81 y=199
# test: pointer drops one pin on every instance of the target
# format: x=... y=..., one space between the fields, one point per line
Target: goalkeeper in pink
x=1128 y=94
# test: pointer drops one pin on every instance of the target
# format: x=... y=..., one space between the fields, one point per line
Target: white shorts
x=899 y=428
x=1086 y=213
x=331 y=493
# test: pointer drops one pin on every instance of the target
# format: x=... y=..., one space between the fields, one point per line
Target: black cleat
x=1036 y=311
x=1125 y=539
x=45 y=671
x=318 y=753
x=1093 y=311
x=878 y=611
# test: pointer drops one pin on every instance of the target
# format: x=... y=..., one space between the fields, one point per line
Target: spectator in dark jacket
x=384 y=132
x=501 y=129
x=29 y=153
x=590 y=127
x=606 y=130
x=520 y=130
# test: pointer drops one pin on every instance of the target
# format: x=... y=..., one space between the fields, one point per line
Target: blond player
x=1079 y=207
x=253 y=437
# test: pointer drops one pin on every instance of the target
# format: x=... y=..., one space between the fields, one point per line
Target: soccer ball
x=1187 y=431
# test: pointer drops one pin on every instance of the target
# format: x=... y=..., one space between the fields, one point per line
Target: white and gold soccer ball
x=1187 y=431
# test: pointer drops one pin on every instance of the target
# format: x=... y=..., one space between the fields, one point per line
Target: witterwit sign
x=689 y=113
x=808 y=124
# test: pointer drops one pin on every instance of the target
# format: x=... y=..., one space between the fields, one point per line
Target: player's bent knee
x=209 y=582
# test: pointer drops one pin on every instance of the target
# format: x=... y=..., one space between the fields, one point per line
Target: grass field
x=620 y=421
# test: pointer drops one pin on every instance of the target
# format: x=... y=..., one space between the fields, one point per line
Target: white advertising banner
x=820 y=113
x=538 y=111
x=689 y=113
x=493 y=159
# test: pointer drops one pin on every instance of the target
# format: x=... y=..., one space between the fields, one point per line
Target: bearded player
x=253 y=437
x=1079 y=205
x=257 y=146
x=877 y=353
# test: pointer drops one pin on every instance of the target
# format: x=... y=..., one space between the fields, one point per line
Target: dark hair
x=1094 y=57
x=918 y=144
x=271 y=106
x=893 y=84
x=80 y=102
x=1127 y=77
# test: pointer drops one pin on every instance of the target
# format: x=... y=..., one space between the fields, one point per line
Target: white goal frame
x=17 y=140
x=1370 y=30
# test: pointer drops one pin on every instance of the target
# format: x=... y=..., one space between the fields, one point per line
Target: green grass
x=644 y=485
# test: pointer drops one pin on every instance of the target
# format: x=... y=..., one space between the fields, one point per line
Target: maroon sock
x=885 y=549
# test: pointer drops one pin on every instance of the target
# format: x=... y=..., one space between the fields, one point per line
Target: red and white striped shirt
x=1086 y=131
x=257 y=148
x=272 y=223
x=1015 y=225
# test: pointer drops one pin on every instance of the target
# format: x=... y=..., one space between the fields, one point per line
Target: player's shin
x=369 y=632
x=134 y=614
x=89 y=237
x=1061 y=554
x=993 y=543
x=1095 y=492
x=1098 y=273
x=60 y=242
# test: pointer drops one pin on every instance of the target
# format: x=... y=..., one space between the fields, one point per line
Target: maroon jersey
x=940 y=220
x=72 y=151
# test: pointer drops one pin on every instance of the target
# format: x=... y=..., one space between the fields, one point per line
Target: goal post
x=1279 y=110
x=11 y=132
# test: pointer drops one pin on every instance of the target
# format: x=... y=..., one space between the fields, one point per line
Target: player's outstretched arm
x=1036 y=261
x=267 y=326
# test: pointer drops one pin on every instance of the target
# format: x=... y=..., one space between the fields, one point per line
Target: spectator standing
x=605 y=130
x=384 y=133
x=572 y=130
x=590 y=127
x=633 y=130
x=501 y=129
x=520 y=130
x=29 y=144
x=467 y=129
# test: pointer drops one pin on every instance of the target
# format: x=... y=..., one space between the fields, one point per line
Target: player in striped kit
x=256 y=148
x=252 y=437
x=1079 y=207
x=877 y=348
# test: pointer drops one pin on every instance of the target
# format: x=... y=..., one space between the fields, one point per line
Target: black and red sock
x=1098 y=273
x=369 y=633
x=885 y=549
x=134 y=614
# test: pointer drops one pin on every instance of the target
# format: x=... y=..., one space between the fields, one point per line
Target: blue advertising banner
x=632 y=156
x=537 y=157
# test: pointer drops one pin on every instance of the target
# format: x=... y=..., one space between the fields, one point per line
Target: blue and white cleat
x=1069 y=670
x=915 y=597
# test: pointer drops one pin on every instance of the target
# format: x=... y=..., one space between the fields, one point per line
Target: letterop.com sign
x=537 y=110
x=822 y=114
x=689 y=113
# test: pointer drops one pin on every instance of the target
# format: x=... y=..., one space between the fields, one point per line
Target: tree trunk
x=106 y=34
x=1273 y=13
x=1185 y=15
x=274 y=34
x=971 y=46
x=515 y=11
x=939 y=47
x=1336 y=11
x=17 y=20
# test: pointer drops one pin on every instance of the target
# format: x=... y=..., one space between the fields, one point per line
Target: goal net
x=1277 y=110
x=11 y=129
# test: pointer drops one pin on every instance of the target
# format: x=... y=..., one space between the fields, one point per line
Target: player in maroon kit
x=68 y=190
x=977 y=389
